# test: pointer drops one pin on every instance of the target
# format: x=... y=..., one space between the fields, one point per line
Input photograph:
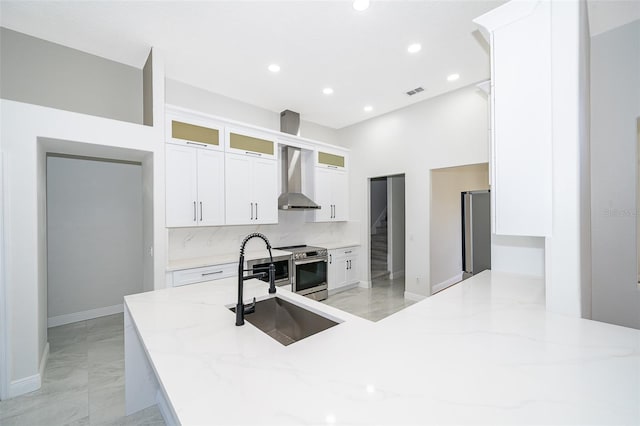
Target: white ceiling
x=226 y=46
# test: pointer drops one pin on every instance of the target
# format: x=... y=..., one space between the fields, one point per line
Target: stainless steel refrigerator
x=476 y=232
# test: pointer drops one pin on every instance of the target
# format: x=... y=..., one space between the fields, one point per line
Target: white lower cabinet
x=251 y=190
x=343 y=267
x=198 y=275
x=194 y=186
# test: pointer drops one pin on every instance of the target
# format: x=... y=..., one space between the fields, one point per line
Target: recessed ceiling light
x=368 y=108
x=361 y=5
x=274 y=67
x=327 y=90
x=414 y=48
x=453 y=77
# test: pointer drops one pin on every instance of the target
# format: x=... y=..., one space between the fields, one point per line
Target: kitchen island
x=484 y=351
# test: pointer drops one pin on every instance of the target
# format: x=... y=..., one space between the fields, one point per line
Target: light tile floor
x=83 y=381
x=385 y=297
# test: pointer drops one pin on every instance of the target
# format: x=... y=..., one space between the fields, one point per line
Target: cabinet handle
x=332 y=167
x=200 y=211
x=251 y=211
x=330 y=260
x=197 y=144
x=211 y=273
x=194 y=211
x=256 y=211
x=347 y=252
x=253 y=153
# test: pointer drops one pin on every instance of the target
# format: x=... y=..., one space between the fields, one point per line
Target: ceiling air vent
x=415 y=91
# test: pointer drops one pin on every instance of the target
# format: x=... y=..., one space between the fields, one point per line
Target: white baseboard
x=414 y=296
x=364 y=284
x=396 y=274
x=446 y=283
x=30 y=383
x=84 y=315
x=344 y=288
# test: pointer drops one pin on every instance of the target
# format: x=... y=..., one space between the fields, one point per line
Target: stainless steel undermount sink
x=286 y=322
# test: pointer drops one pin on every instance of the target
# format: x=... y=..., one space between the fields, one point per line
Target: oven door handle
x=306 y=262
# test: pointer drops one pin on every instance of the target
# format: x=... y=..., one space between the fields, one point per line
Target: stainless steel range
x=309 y=271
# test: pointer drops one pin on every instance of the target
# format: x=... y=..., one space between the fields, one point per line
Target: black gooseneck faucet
x=241 y=309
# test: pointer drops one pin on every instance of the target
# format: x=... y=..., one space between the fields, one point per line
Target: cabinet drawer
x=207 y=273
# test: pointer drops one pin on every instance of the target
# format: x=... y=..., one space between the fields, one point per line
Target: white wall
x=445 y=131
x=396 y=221
x=37 y=71
x=187 y=96
x=615 y=108
x=28 y=132
x=94 y=235
x=446 y=223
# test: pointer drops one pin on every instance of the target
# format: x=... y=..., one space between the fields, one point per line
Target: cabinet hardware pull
x=256 y=211
x=200 y=211
x=211 y=273
x=253 y=153
x=332 y=167
x=330 y=260
x=347 y=252
x=251 y=211
x=194 y=211
x=197 y=144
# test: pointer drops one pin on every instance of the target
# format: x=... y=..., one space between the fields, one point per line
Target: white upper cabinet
x=519 y=34
x=194 y=186
x=195 y=131
x=250 y=142
x=251 y=190
x=331 y=194
x=332 y=159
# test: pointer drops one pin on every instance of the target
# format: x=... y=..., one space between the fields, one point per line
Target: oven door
x=311 y=276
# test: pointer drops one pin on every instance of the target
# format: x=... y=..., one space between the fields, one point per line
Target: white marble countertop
x=337 y=245
x=482 y=352
x=198 y=262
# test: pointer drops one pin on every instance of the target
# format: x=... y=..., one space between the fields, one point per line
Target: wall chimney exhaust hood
x=292 y=197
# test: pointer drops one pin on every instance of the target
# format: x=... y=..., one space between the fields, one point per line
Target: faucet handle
x=249 y=309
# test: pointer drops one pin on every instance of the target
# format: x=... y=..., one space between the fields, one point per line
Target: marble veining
x=484 y=351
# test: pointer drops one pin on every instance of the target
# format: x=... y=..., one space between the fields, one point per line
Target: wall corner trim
x=414 y=296
x=446 y=283
x=29 y=383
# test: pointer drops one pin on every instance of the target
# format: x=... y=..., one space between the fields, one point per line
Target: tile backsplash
x=187 y=243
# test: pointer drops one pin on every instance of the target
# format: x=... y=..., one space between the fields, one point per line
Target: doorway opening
x=447 y=222
x=386 y=254
x=94 y=236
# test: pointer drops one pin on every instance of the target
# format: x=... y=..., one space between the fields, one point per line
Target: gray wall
x=615 y=108
x=94 y=234
x=39 y=72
